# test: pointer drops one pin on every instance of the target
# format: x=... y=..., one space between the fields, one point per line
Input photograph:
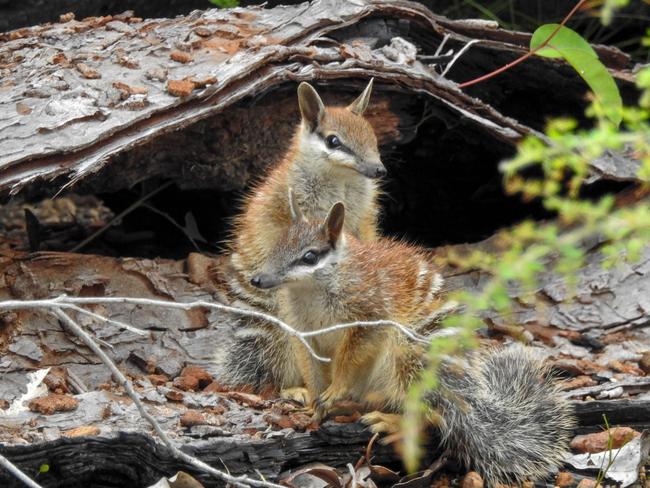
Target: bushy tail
x=503 y=416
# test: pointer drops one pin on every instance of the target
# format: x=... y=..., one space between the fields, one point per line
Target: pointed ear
x=311 y=106
x=333 y=225
x=294 y=208
x=360 y=105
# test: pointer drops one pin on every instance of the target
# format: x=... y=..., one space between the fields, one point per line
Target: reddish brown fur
x=360 y=281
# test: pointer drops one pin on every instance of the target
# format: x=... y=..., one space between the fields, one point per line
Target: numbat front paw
x=297 y=394
x=326 y=401
x=380 y=422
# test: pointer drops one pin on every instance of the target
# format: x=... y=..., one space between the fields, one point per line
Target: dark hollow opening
x=443 y=185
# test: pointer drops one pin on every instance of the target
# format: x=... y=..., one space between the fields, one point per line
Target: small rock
x=171 y=365
x=119 y=26
x=87 y=72
x=123 y=60
x=186 y=383
x=203 y=82
x=25 y=346
x=158 y=379
x=66 y=17
x=53 y=403
x=57 y=381
x=564 y=479
x=613 y=393
x=578 y=382
x=202 y=31
x=180 y=88
x=174 y=395
x=180 y=56
x=129 y=89
x=83 y=431
x=249 y=399
x=587 y=483
x=202 y=376
x=4 y=404
x=215 y=387
x=472 y=480
x=157 y=74
x=644 y=362
x=621 y=367
x=192 y=418
x=598 y=442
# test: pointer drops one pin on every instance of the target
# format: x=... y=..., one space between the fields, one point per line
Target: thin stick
x=13 y=469
x=240 y=481
x=64 y=301
x=528 y=54
x=458 y=55
x=106 y=320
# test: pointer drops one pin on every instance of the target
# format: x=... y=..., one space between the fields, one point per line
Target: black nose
x=381 y=171
x=256 y=281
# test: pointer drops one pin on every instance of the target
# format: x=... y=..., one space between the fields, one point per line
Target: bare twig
x=458 y=55
x=528 y=54
x=74 y=303
x=106 y=320
x=240 y=481
x=9 y=466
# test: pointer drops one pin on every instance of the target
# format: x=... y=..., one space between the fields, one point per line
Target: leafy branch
x=553 y=170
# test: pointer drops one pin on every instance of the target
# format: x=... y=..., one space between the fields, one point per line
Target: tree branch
x=9 y=466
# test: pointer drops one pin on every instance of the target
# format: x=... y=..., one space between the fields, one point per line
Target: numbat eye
x=310 y=257
x=333 y=142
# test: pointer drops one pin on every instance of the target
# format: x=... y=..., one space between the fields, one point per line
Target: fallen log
x=81 y=96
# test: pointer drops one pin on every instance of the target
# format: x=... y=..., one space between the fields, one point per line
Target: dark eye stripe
x=318 y=252
x=342 y=147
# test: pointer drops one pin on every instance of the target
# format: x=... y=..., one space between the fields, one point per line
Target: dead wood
x=244 y=432
x=80 y=95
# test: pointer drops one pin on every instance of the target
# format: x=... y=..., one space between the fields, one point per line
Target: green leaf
x=44 y=468
x=225 y=3
x=570 y=46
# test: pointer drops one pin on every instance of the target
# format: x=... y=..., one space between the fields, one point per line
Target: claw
x=377 y=422
x=297 y=394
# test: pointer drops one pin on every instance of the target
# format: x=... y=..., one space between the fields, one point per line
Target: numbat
x=332 y=157
x=500 y=412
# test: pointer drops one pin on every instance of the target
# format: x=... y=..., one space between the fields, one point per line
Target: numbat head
x=338 y=136
x=305 y=249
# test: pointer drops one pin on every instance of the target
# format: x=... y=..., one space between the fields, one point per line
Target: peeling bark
x=80 y=95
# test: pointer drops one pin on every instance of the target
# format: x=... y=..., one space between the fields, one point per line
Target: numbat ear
x=311 y=106
x=360 y=105
x=294 y=208
x=333 y=225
